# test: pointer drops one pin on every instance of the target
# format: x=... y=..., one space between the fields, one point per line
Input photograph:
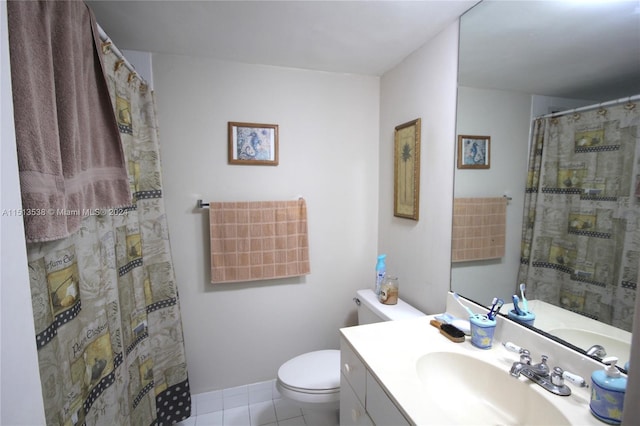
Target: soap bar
x=449 y=331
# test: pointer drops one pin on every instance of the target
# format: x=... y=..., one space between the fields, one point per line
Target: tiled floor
x=258 y=404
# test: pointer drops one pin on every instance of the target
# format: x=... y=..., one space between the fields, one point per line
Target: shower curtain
x=581 y=228
x=107 y=318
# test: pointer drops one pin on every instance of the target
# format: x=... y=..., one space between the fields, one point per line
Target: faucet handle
x=542 y=366
x=510 y=346
x=543 y=360
x=525 y=355
x=575 y=379
x=557 y=376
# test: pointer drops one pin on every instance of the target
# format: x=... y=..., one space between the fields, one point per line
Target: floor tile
x=210 y=419
x=286 y=409
x=262 y=413
x=259 y=404
x=325 y=418
x=295 y=421
x=238 y=416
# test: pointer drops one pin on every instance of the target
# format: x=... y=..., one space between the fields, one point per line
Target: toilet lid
x=318 y=370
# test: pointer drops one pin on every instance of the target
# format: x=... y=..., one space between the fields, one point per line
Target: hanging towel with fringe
x=258 y=240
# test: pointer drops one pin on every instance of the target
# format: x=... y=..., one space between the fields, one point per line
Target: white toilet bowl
x=312 y=379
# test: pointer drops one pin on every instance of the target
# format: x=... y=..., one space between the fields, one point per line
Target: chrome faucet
x=525 y=361
x=553 y=381
x=597 y=350
x=540 y=369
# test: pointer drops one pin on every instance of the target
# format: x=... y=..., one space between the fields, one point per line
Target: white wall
x=328 y=123
x=336 y=150
x=422 y=86
x=506 y=117
x=20 y=394
x=142 y=62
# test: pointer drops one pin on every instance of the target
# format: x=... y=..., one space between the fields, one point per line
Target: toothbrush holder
x=528 y=318
x=482 y=330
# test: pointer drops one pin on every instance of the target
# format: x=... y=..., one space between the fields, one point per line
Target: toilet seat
x=311 y=377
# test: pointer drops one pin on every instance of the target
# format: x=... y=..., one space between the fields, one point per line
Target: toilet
x=312 y=380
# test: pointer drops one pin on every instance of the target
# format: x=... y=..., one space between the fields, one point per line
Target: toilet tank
x=370 y=310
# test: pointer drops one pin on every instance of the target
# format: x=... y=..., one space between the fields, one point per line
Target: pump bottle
x=607 y=392
x=381 y=271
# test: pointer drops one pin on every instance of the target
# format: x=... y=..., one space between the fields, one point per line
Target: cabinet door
x=380 y=407
x=353 y=370
x=352 y=412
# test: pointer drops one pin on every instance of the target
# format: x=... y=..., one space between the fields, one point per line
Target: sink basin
x=472 y=391
x=584 y=339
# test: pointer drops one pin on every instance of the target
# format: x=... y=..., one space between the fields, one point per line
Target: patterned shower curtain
x=107 y=318
x=581 y=227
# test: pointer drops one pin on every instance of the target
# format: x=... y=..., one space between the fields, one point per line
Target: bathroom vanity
x=406 y=372
x=363 y=400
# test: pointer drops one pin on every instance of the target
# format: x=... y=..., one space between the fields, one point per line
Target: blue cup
x=528 y=318
x=482 y=330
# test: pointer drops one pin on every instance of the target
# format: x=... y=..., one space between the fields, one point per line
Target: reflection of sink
x=472 y=391
x=584 y=339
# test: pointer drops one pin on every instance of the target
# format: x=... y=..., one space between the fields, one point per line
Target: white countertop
x=391 y=350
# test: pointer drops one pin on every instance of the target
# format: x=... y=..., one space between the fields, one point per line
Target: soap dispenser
x=381 y=272
x=607 y=392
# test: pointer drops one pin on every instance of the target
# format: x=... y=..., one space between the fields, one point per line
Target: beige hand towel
x=258 y=240
x=479 y=228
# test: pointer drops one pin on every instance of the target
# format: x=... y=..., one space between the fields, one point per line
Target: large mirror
x=526 y=59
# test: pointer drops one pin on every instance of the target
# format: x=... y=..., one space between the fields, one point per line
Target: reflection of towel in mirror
x=69 y=153
x=258 y=240
x=479 y=228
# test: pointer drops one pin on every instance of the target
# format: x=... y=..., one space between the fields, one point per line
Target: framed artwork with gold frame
x=253 y=143
x=406 y=177
x=474 y=152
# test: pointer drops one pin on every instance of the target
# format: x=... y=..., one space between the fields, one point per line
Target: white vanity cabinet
x=407 y=373
x=362 y=400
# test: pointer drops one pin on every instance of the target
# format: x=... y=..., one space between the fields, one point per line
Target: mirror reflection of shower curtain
x=581 y=228
x=106 y=312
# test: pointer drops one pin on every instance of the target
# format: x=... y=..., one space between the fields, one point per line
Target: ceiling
x=360 y=37
x=575 y=49
x=587 y=49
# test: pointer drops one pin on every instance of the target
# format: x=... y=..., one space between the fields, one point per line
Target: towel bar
x=201 y=205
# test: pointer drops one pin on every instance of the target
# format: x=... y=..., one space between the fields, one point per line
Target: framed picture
x=474 y=152
x=406 y=188
x=253 y=143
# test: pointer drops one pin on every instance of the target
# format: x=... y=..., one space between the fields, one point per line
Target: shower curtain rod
x=106 y=39
x=588 y=107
